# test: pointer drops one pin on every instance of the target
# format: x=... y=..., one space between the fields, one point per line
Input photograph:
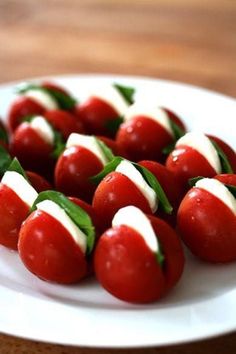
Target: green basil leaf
x=155 y=185
x=178 y=132
x=75 y=213
x=111 y=166
x=193 y=181
x=113 y=125
x=59 y=144
x=105 y=150
x=126 y=92
x=25 y=87
x=3 y=134
x=16 y=166
x=5 y=160
x=168 y=149
x=232 y=189
x=160 y=255
x=225 y=164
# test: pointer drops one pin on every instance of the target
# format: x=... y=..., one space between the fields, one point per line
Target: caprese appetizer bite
x=36 y=99
x=122 y=183
x=206 y=219
x=16 y=198
x=84 y=157
x=147 y=130
x=140 y=258
x=37 y=145
x=195 y=154
x=102 y=111
x=57 y=239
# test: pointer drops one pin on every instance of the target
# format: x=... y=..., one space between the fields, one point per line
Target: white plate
x=202 y=304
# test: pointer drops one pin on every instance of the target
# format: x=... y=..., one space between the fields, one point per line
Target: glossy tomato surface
x=48 y=250
x=39 y=183
x=227 y=178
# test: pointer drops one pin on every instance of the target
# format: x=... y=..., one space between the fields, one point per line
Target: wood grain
x=192 y=41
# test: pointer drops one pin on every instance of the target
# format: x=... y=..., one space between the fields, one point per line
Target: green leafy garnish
x=16 y=166
x=75 y=213
x=232 y=189
x=59 y=144
x=3 y=134
x=168 y=149
x=178 y=132
x=113 y=125
x=194 y=180
x=105 y=150
x=225 y=164
x=126 y=92
x=159 y=255
x=5 y=160
x=111 y=166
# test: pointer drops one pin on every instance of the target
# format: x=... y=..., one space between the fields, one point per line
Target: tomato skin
x=227 y=178
x=39 y=183
x=13 y=211
x=73 y=170
x=116 y=191
x=207 y=226
x=47 y=250
x=129 y=270
x=229 y=152
x=64 y=122
x=175 y=118
x=95 y=114
x=53 y=86
x=141 y=138
x=185 y=162
x=23 y=106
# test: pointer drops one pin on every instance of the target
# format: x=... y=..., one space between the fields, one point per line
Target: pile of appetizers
x=111 y=187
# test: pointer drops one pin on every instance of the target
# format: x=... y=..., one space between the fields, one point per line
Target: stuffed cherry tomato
x=16 y=199
x=56 y=239
x=101 y=112
x=146 y=131
x=39 y=183
x=207 y=221
x=140 y=258
x=126 y=184
x=194 y=155
x=84 y=157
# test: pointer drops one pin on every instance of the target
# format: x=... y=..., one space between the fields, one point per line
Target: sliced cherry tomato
x=227 y=178
x=55 y=87
x=39 y=183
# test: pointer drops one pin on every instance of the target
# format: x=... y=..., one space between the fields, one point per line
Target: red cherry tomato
x=110 y=143
x=96 y=115
x=64 y=122
x=13 y=211
x=23 y=106
x=55 y=87
x=48 y=250
x=114 y=192
x=73 y=171
x=207 y=226
x=185 y=162
x=227 y=178
x=129 y=270
x=39 y=183
x=229 y=152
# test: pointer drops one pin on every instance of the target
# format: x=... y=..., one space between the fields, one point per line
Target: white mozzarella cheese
x=126 y=168
x=41 y=126
x=60 y=215
x=137 y=220
x=219 y=190
x=152 y=112
x=88 y=142
x=204 y=146
x=42 y=98
x=16 y=182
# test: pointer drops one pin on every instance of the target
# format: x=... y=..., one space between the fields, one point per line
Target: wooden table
x=192 y=41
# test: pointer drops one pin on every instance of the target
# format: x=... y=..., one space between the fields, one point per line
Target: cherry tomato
x=13 y=211
x=73 y=171
x=48 y=250
x=229 y=152
x=110 y=143
x=207 y=226
x=55 y=87
x=128 y=269
x=39 y=183
x=227 y=178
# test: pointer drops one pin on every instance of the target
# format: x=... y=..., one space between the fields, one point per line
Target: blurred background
x=193 y=41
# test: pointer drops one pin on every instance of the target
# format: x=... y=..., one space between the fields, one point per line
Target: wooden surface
x=192 y=41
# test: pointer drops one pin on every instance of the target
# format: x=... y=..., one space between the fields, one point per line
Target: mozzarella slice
x=110 y=95
x=41 y=126
x=88 y=142
x=16 y=182
x=137 y=220
x=42 y=98
x=60 y=215
x=126 y=168
x=219 y=190
x=204 y=146
x=152 y=112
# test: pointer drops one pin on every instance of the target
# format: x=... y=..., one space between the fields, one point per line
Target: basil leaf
x=178 y=132
x=23 y=88
x=28 y=118
x=126 y=92
x=113 y=125
x=160 y=255
x=155 y=185
x=16 y=166
x=232 y=189
x=225 y=164
x=105 y=150
x=111 y=166
x=5 y=160
x=168 y=149
x=193 y=181
x=59 y=144
x=75 y=213
x=3 y=134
